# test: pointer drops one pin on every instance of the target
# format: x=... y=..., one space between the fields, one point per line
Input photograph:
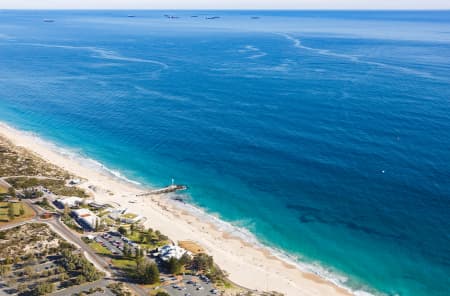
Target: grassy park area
x=99 y=249
x=21 y=212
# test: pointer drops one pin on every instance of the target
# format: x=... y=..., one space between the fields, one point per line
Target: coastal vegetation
x=56 y=186
x=14 y=212
x=119 y=289
x=36 y=261
x=17 y=161
x=26 y=171
x=34 y=251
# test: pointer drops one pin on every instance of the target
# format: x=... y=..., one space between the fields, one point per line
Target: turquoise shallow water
x=325 y=134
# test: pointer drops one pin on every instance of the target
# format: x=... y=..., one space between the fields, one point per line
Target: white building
x=86 y=218
x=71 y=201
x=169 y=251
x=123 y=216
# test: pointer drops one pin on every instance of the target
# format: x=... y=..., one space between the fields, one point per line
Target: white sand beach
x=247 y=265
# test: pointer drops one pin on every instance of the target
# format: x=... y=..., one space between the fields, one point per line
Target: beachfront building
x=86 y=218
x=169 y=251
x=123 y=216
x=71 y=202
x=116 y=213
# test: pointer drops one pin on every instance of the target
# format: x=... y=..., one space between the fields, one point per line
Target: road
x=60 y=228
x=3 y=183
x=85 y=287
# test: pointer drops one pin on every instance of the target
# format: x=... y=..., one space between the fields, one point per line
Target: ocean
x=324 y=134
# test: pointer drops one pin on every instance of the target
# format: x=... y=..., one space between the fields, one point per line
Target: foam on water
x=101 y=53
x=73 y=154
x=230 y=228
x=355 y=59
x=295 y=140
x=245 y=235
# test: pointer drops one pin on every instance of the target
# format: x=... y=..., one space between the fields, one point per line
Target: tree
x=185 y=259
x=21 y=210
x=63 y=277
x=202 y=262
x=11 y=214
x=126 y=250
x=66 y=211
x=79 y=280
x=5 y=270
x=147 y=273
x=141 y=237
x=162 y=293
x=12 y=192
x=149 y=237
x=43 y=289
x=138 y=253
x=162 y=237
x=21 y=288
x=174 y=265
x=122 y=230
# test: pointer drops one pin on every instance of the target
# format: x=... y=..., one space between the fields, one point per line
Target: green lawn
x=98 y=248
x=129 y=216
x=133 y=236
x=4 y=219
x=125 y=264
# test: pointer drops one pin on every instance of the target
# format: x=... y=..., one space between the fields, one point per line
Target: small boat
x=212 y=17
x=255 y=17
x=49 y=21
x=130 y=15
x=171 y=16
x=194 y=15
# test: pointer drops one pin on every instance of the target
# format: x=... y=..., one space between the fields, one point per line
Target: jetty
x=171 y=188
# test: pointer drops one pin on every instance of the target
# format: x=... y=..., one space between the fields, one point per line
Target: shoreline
x=247 y=262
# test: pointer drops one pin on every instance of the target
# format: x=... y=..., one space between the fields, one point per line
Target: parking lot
x=189 y=286
x=115 y=243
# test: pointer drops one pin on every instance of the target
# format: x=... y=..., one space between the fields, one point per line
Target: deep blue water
x=326 y=134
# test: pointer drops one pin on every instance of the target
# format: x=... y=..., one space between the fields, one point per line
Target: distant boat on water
x=212 y=17
x=131 y=15
x=49 y=21
x=194 y=15
x=171 y=16
x=255 y=17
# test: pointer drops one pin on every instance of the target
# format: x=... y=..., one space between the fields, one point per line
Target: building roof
x=168 y=251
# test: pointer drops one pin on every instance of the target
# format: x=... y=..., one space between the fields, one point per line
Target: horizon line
x=238 y=9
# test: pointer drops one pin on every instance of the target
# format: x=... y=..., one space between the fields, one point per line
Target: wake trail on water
x=298 y=44
x=101 y=53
